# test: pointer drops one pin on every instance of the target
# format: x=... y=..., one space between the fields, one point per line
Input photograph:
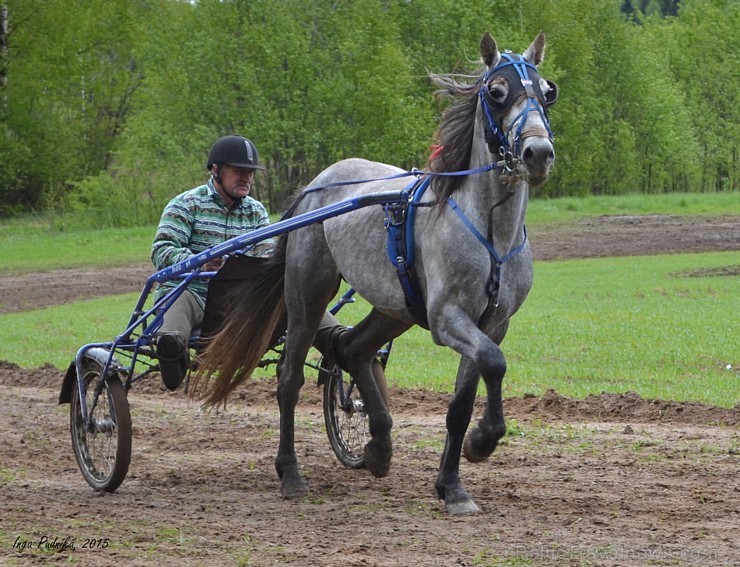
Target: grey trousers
x=186 y=315
x=182 y=317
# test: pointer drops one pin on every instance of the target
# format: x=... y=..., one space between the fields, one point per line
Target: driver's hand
x=213 y=265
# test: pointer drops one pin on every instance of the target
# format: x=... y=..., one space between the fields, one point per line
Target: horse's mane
x=455 y=131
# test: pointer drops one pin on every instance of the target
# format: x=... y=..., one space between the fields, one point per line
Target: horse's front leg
x=449 y=488
x=290 y=380
x=482 y=440
x=481 y=356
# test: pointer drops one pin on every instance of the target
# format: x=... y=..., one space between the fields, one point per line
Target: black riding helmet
x=234 y=150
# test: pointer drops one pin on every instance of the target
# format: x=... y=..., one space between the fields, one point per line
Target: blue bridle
x=399 y=219
x=536 y=102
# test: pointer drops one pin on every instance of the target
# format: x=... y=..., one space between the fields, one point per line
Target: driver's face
x=235 y=182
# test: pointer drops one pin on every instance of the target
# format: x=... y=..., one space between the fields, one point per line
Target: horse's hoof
x=462 y=508
x=471 y=453
x=457 y=500
x=477 y=447
x=377 y=457
x=293 y=487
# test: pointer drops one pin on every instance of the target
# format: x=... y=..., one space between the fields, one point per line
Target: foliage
x=70 y=76
x=110 y=106
x=706 y=40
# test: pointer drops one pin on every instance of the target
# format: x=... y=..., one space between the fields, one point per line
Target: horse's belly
x=358 y=244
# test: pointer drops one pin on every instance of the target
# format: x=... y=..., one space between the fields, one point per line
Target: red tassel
x=436 y=151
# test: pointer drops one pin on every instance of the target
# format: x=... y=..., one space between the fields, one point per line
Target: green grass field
x=652 y=325
x=43 y=243
x=642 y=324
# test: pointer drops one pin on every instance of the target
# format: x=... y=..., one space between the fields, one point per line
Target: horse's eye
x=498 y=92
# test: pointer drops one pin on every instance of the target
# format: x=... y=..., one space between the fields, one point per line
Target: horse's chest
x=479 y=280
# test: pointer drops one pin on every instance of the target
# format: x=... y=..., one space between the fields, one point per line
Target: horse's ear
x=488 y=50
x=536 y=52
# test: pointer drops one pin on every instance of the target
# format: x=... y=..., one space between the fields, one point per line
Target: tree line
x=108 y=107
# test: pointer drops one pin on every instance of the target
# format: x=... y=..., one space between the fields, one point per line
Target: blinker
x=530 y=84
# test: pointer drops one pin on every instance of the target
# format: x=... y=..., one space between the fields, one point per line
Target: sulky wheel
x=102 y=450
x=345 y=416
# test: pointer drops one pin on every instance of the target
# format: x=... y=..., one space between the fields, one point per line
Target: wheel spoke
x=345 y=418
x=103 y=451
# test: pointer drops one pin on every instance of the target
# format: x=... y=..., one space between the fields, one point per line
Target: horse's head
x=515 y=101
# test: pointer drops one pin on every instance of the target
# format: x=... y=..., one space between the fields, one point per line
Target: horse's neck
x=493 y=207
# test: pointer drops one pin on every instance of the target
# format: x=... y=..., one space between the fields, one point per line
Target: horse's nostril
x=543 y=154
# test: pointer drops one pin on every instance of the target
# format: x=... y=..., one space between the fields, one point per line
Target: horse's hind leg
x=359 y=346
x=290 y=380
x=311 y=279
x=302 y=323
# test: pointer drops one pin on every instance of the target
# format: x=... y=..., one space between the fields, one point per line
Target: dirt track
x=608 y=480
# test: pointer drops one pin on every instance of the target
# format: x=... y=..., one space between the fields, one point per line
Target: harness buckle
x=395 y=215
x=509 y=161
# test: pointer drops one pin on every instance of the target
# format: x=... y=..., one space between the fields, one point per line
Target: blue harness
x=400 y=215
x=399 y=222
x=517 y=70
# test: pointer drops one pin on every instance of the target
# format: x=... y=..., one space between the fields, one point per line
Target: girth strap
x=399 y=222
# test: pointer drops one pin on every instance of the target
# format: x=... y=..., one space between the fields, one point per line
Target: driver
x=193 y=222
x=199 y=219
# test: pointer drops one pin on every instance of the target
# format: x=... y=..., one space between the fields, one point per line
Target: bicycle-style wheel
x=345 y=418
x=102 y=450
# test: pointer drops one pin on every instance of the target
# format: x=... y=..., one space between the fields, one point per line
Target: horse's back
x=355 y=243
x=366 y=176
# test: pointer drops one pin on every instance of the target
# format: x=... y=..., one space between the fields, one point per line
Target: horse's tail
x=257 y=310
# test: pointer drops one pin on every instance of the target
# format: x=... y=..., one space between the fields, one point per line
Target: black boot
x=328 y=342
x=173 y=359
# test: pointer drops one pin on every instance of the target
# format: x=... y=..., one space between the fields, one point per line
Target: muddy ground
x=607 y=480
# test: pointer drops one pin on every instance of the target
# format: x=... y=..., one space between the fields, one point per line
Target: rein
x=414 y=171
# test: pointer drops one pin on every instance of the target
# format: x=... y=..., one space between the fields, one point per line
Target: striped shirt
x=197 y=220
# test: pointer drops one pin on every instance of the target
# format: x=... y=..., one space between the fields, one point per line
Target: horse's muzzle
x=538 y=155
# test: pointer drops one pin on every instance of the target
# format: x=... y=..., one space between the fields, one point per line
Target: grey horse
x=471 y=270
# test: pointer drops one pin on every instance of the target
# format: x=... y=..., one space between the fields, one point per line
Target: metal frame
x=144 y=323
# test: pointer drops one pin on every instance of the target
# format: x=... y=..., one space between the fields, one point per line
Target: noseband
x=516 y=70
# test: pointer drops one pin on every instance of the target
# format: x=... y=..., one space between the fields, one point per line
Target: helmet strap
x=221 y=189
